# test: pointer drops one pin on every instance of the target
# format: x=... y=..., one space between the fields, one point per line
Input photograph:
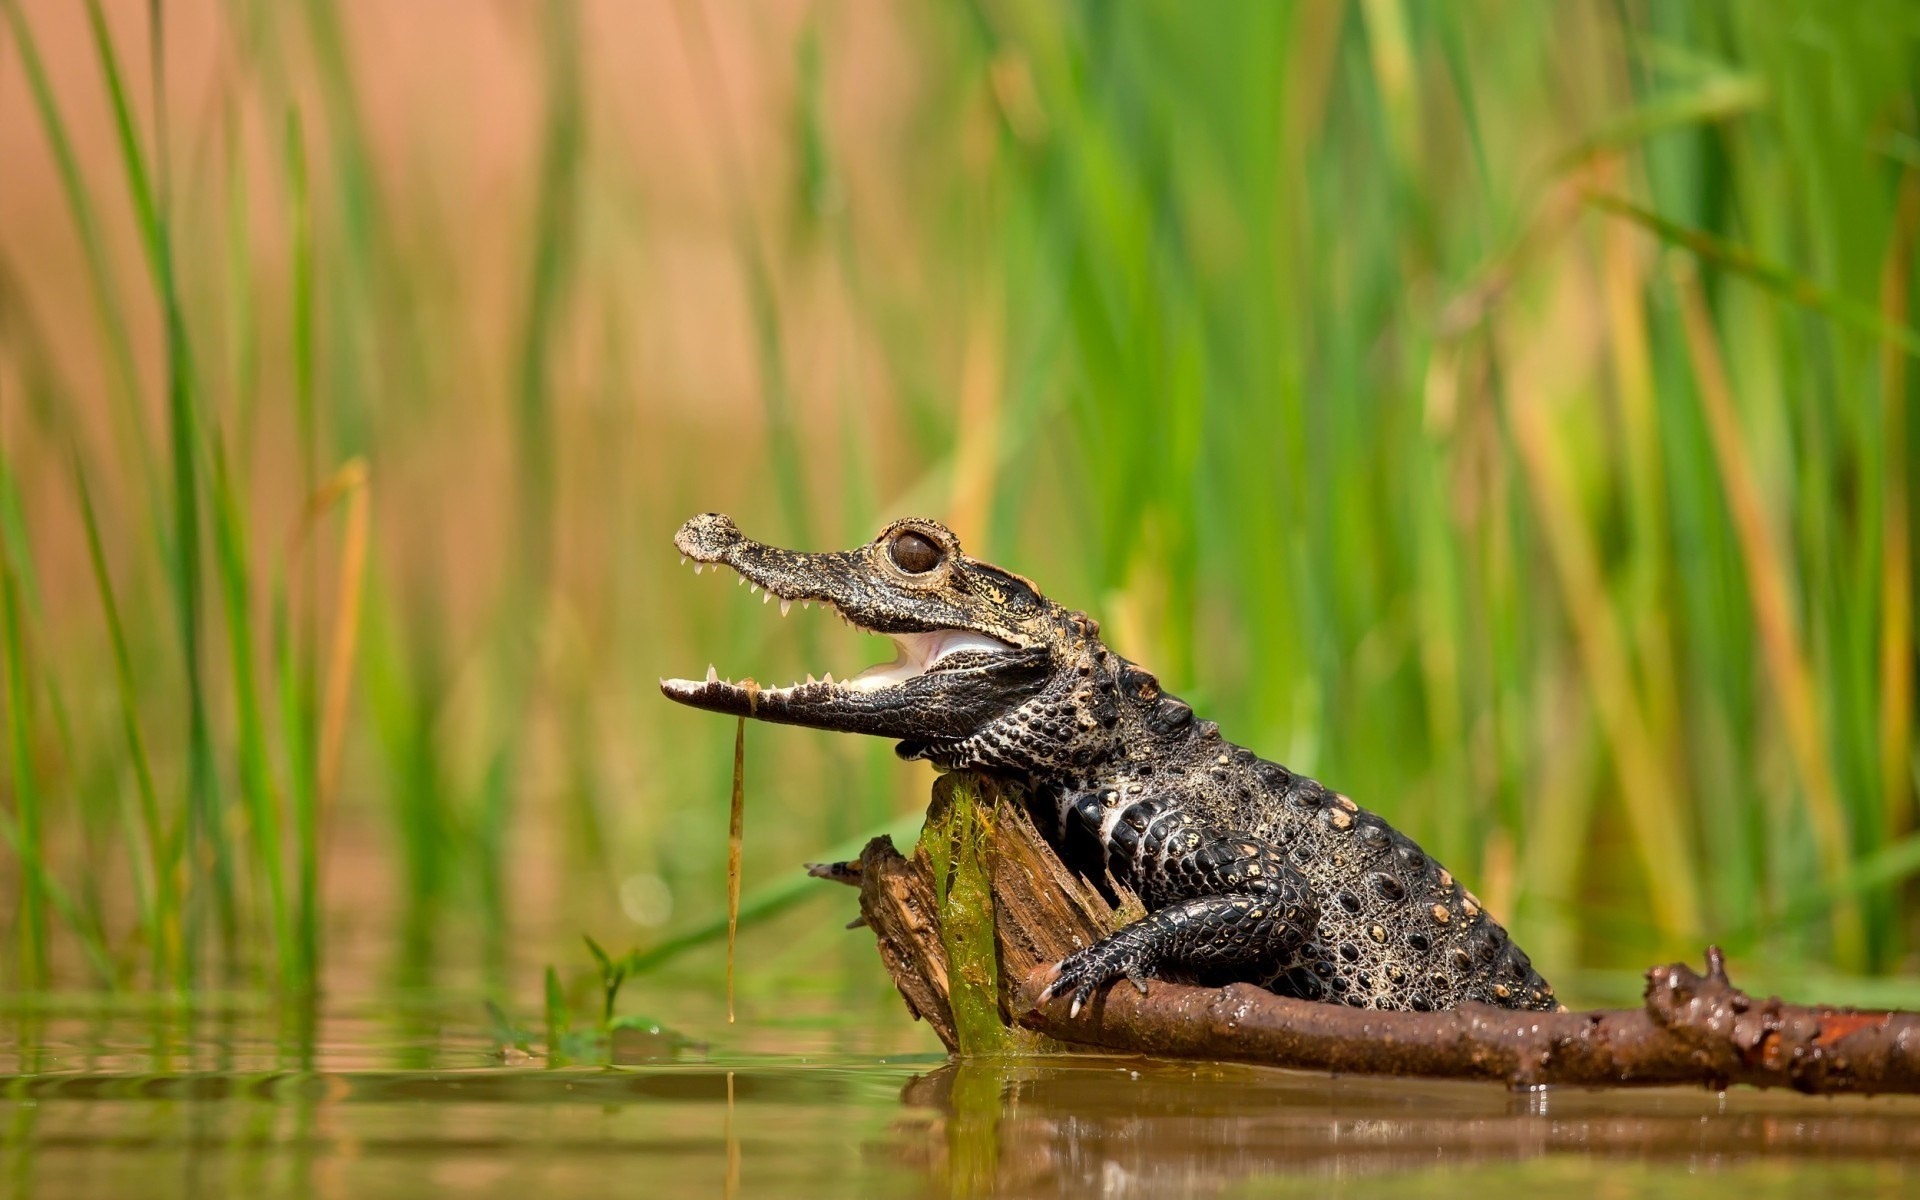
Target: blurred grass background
x=1497 y=410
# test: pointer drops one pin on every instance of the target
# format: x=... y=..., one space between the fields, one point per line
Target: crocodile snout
x=708 y=537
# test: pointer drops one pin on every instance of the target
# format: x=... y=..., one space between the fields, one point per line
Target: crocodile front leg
x=1215 y=900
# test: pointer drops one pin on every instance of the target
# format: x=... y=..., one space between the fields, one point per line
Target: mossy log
x=970 y=924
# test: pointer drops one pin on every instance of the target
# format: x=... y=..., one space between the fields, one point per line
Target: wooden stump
x=980 y=904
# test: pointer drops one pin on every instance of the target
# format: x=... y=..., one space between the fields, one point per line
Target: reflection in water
x=339 y=1108
x=1124 y=1126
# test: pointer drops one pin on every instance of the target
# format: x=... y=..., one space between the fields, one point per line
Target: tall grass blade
x=300 y=669
x=351 y=481
x=253 y=768
x=1896 y=534
x=133 y=159
x=130 y=423
x=26 y=823
x=207 y=833
x=163 y=933
x=1652 y=797
x=25 y=829
x=298 y=735
x=555 y=219
x=315 y=739
x=1796 y=289
x=1768 y=586
x=83 y=916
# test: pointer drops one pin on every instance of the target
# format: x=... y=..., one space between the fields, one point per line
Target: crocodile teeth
x=914 y=653
x=683 y=560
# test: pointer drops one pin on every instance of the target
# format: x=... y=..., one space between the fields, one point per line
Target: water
x=397 y=1098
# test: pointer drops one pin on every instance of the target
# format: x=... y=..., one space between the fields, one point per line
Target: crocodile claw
x=1087 y=971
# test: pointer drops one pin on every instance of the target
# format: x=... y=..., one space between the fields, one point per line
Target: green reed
x=159 y=919
x=25 y=828
x=1498 y=411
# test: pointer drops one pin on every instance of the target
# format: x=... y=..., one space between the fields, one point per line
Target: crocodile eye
x=914 y=554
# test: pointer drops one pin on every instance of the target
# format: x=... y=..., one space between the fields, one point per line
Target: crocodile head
x=983 y=664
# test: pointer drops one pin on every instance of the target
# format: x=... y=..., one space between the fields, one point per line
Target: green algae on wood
x=954 y=840
x=957 y=842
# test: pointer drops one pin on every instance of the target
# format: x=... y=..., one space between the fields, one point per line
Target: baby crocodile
x=1249 y=871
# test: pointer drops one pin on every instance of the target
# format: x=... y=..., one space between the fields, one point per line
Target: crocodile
x=1248 y=872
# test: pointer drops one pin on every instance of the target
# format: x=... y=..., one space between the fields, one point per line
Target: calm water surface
x=397 y=1101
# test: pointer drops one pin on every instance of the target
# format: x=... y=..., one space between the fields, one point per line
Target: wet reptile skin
x=1249 y=872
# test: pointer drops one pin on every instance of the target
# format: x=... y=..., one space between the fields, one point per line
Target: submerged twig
x=1693 y=1028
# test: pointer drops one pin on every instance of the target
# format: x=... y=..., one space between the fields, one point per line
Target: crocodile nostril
x=708 y=536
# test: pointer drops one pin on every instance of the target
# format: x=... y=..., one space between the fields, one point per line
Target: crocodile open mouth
x=916 y=654
x=958 y=664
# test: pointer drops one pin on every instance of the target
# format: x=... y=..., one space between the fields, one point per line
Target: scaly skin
x=1249 y=872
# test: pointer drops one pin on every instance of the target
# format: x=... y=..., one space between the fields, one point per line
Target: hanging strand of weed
x=736 y=831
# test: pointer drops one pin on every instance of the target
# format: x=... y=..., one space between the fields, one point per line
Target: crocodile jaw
x=942 y=681
x=915 y=654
